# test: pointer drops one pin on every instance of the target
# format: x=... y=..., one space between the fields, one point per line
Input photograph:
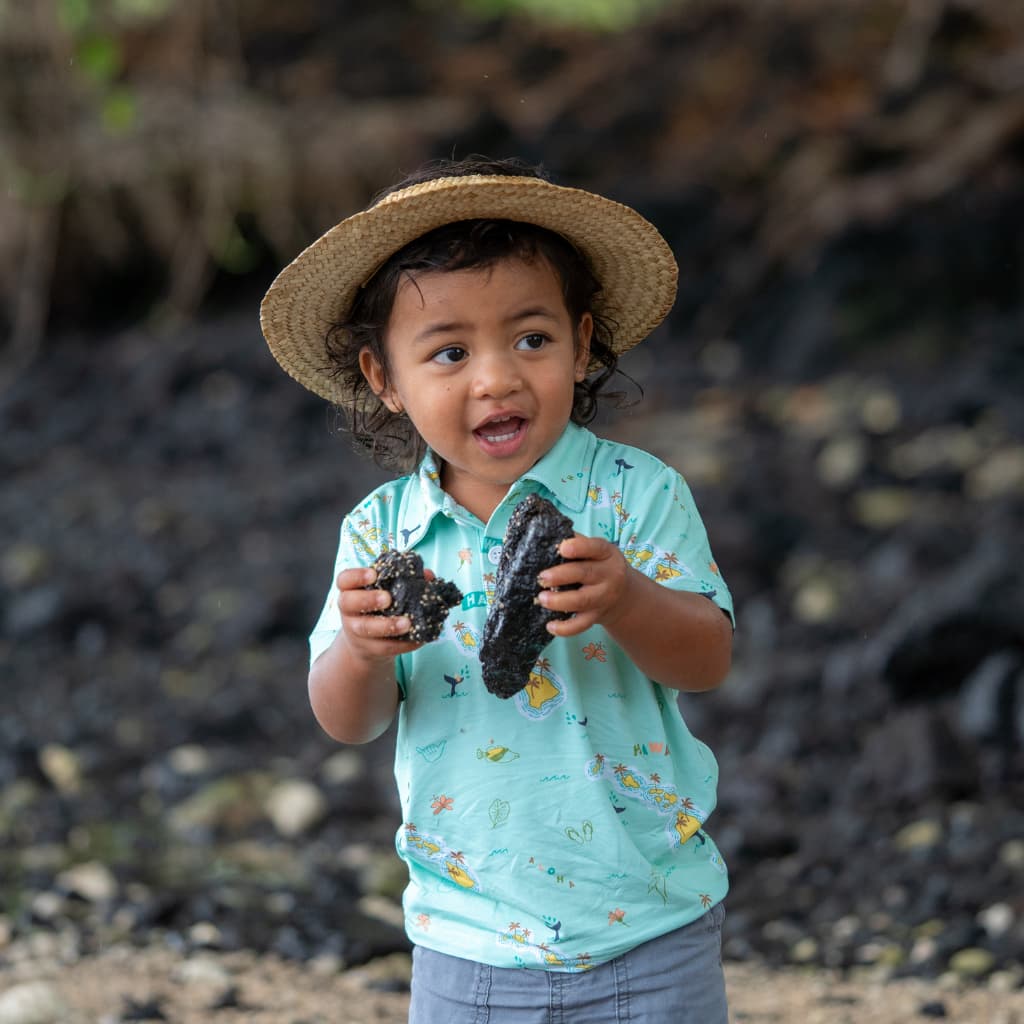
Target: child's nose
x=497 y=376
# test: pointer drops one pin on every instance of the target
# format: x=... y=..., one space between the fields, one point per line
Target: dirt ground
x=123 y=984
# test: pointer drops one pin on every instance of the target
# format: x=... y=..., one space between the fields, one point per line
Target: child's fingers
x=381 y=627
x=573 y=600
x=357 y=608
x=362 y=602
x=354 y=579
x=572 y=627
x=358 y=623
x=572 y=574
x=579 y=546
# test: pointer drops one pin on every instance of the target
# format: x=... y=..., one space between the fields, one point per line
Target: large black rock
x=515 y=633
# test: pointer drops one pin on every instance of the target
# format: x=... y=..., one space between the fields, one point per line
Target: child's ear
x=584 y=332
x=378 y=380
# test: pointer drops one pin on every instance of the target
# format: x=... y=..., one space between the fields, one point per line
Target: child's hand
x=372 y=637
x=603 y=576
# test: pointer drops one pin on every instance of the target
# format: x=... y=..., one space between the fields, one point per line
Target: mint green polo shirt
x=564 y=826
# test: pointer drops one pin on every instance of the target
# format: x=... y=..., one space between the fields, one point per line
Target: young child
x=559 y=869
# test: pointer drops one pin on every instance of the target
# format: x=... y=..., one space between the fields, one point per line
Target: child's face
x=483 y=362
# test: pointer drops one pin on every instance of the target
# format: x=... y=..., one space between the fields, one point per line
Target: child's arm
x=678 y=638
x=352 y=685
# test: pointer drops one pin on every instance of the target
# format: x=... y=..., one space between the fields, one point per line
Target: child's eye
x=532 y=342
x=449 y=356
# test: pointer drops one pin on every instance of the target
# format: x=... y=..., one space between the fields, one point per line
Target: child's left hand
x=603 y=576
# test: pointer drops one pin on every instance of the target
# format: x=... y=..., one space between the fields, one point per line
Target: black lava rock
x=426 y=602
x=515 y=633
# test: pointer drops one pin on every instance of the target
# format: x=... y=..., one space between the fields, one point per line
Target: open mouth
x=500 y=430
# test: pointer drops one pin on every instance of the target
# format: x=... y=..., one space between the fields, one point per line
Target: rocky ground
x=170 y=522
x=128 y=985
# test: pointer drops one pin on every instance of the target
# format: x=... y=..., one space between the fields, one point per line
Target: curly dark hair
x=390 y=438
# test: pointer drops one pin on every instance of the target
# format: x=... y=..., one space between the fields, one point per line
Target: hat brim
x=628 y=255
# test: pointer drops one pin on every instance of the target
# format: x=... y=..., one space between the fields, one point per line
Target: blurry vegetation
x=153 y=152
x=609 y=15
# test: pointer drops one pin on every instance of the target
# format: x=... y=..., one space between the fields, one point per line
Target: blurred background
x=841 y=381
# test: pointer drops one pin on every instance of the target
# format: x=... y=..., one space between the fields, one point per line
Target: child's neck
x=480 y=497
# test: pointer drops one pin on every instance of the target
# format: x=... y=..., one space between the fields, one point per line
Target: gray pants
x=674 y=979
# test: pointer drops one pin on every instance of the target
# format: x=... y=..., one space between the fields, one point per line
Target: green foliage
x=78 y=15
x=118 y=111
x=601 y=15
x=140 y=10
x=74 y=15
x=94 y=28
x=99 y=56
x=233 y=252
x=34 y=187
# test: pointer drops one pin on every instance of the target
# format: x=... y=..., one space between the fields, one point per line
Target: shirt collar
x=564 y=472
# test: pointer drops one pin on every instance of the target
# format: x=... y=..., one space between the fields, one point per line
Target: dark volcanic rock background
x=841 y=382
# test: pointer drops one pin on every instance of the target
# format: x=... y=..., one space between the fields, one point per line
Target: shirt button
x=494 y=555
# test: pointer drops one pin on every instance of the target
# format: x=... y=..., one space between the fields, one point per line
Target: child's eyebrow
x=431 y=331
x=532 y=311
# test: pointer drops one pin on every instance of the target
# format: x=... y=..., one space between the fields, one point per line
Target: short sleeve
x=664 y=537
x=361 y=540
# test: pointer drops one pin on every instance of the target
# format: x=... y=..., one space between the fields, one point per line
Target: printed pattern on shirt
x=561 y=827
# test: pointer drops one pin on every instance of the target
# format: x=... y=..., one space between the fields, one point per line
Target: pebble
x=804 y=951
x=923 y=950
x=1008 y=980
x=973 y=962
x=882 y=508
x=393 y=969
x=91 y=880
x=841 y=462
x=205 y=933
x=326 y=964
x=32 y=1002
x=295 y=806
x=342 y=767
x=817 y=601
x=881 y=411
x=189 y=759
x=383 y=910
x=1000 y=475
x=846 y=927
x=919 y=835
x=997 y=919
x=62 y=767
x=1011 y=854
x=46 y=906
x=940 y=447
x=232 y=802
x=23 y=564
x=203 y=971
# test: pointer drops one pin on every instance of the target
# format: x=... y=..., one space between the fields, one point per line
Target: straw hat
x=316 y=290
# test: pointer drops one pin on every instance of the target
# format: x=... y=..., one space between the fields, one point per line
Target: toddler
x=559 y=866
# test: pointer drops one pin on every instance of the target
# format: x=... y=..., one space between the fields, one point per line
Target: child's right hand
x=352 y=684
x=372 y=637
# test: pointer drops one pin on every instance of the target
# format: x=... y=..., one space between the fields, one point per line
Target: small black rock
x=426 y=602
